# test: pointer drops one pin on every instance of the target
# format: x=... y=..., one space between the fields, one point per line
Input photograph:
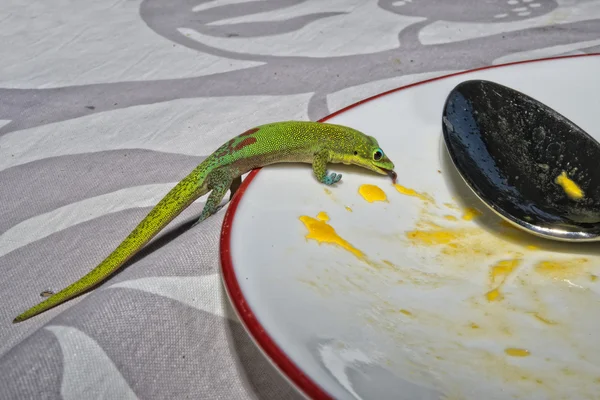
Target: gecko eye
x=377 y=155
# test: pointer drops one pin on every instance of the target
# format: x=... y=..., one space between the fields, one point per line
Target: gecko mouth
x=390 y=172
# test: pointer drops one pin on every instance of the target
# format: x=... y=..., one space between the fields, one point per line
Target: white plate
x=414 y=320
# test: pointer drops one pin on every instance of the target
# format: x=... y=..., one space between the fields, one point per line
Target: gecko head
x=368 y=154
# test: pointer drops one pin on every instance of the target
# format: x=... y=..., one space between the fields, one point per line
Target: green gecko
x=291 y=141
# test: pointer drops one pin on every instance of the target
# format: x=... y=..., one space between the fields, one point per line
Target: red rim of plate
x=275 y=354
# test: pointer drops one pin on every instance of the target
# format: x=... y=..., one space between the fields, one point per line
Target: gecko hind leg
x=235 y=185
x=220 y=182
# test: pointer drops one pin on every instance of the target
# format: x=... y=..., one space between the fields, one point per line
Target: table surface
x=104 y=106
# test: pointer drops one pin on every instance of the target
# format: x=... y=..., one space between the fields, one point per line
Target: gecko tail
x=170 y=206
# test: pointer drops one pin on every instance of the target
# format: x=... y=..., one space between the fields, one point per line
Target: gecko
x=309 y=142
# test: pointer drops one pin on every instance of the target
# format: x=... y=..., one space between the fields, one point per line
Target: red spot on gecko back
x=244 y=143
x=249 y=132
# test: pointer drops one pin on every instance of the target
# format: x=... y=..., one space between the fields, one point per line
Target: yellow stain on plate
x=543 y=319
x=465 y=248
x=322 y=216
x=569 y=186
x=321 y=288
x=411 y=192
x=425 y=224
x=372 y=193
x=500 y=271
x=562 y=270
x=494 y=295
x=433 y=237
x=516 y=352
x=470 y=244
x=391 y=309
x=489 y=256
x=348 y=209
x=322 y=232
x=451 y=206
x=498 y=275
x=471 y=213
x=450 y=218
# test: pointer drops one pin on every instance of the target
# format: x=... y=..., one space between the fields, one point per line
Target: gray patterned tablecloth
x=104 y=105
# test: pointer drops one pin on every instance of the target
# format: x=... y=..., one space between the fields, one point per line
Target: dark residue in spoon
x=510 y=149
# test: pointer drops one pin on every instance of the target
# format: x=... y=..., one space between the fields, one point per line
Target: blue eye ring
x=378 y=155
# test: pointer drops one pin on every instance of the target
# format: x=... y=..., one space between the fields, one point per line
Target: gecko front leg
x=319 y=166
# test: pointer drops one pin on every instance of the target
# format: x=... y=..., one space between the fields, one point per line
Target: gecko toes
x=333 y=178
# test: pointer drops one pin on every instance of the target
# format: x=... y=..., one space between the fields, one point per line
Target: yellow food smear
x=322 y=232
x=372 y=193
x=494 y=295
x=348 y=209
x=471 y=213
x=405 y=312
x=562 y=270
x=544 y=320
x=450 y=217
x=571 y=188
x=474 y=325
x=514 y=352
x=411 y=192
x=498 y=275
x=427 y=224
x=327 y=191
x=432 y=237
x=501 y=270
x=463 y=244
x=323 y=216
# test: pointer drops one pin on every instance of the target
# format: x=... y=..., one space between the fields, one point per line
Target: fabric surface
x=105 y=105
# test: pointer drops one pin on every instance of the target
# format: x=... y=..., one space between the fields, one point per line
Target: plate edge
x=287 y=368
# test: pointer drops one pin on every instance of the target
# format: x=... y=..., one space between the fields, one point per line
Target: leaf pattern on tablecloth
x=87 y=370
x=201 y=292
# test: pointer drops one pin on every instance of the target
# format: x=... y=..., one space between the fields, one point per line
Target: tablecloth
x=105 y=105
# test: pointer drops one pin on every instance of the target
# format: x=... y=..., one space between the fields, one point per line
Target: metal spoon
x=510 y=148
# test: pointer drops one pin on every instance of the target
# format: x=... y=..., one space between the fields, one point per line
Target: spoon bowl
x=524 y=160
